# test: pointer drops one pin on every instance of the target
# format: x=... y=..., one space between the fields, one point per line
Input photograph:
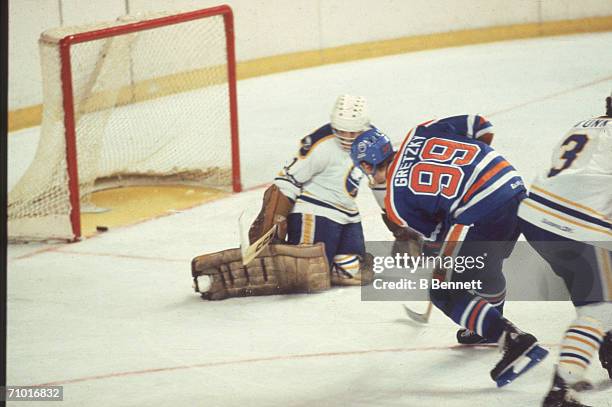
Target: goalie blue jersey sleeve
x=442 y=176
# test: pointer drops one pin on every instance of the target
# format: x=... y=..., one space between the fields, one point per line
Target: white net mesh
x=150 y=107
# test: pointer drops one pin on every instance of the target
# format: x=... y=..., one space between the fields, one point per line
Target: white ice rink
x=114 y=320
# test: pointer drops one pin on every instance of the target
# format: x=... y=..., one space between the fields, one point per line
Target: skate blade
x=531 y=358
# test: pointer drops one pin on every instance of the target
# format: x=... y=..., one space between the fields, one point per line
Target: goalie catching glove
x=278 y=269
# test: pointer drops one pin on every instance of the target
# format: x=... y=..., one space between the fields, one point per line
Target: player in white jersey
x=568 y=220
x=313 y=197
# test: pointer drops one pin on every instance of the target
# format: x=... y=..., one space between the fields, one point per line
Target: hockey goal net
x=142 y=100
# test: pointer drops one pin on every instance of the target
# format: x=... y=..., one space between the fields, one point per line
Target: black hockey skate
x=559 y=395
x=521 y=352
x=605 y=353
x=467 y=337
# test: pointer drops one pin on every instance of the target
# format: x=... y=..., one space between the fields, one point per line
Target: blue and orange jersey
x=442 y=175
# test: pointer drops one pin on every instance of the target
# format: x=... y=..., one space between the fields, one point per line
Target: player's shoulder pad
x=480 y=125
x=308 y=143
x=471 y=126
x=439 y=128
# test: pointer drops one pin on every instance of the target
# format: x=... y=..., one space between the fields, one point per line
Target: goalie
x=312 y=203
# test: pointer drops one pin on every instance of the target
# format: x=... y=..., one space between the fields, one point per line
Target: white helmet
x=350 y=113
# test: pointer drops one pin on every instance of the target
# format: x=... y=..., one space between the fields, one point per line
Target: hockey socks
x=579 y=346
x=478 y=316
x=468 y=337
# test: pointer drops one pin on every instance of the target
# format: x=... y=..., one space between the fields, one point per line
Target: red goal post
x=146 y=99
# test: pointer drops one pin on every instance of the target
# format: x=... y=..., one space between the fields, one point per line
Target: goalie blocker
x=274 y=211
x=278 y=269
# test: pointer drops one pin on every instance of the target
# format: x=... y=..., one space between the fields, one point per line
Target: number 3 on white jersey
x=570 y=149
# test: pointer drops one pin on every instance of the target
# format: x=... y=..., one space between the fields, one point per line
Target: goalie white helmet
x=349 y=118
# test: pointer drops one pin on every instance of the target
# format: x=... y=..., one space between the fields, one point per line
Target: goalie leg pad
x=274 y=209
x=278 y=269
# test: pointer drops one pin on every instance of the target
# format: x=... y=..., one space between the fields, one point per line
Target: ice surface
x=114 y=320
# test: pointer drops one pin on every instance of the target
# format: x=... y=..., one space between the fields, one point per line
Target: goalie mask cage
x=142 y=100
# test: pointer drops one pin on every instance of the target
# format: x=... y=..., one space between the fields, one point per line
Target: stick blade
x=415 y=316
x=250 y=252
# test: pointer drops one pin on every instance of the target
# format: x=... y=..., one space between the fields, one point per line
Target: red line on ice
x=258 y=360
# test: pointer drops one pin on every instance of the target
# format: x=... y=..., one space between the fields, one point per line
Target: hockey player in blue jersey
x=444 y=180
x=568 y=220
x=313 y=197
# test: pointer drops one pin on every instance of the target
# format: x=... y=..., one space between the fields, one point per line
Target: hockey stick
x=250 y=251
x=415 y=316
x=449 y=248
x=424 y=317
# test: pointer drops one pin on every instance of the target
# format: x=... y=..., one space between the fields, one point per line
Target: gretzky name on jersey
x=409 y=158
x=442 y=175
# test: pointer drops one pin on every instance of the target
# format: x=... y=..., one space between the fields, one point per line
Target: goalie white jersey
x=573 y=198
x=322 y=179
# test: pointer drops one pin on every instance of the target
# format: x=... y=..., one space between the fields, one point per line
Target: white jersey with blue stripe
x=322 y=179
x=573 y=197
x=442 y=176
